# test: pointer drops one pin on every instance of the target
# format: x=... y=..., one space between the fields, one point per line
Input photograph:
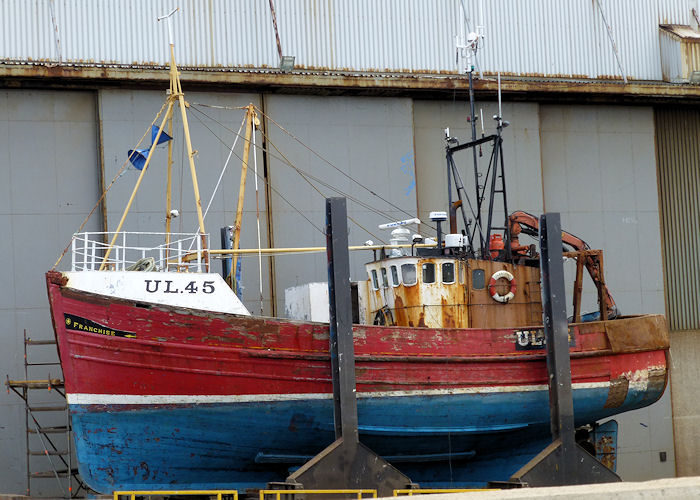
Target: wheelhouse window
x=385 y=281
x=375 y=280
x=448 y=272
x=408 y=272
x=395 y=276
x=428 y=272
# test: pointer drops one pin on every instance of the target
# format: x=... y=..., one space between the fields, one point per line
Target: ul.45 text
x=166 y=286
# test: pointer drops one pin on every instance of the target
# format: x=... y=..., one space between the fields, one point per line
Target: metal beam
x=471 y=144
x=338 y=82
x=342 y=348
x=345 y=463
x=561 y=401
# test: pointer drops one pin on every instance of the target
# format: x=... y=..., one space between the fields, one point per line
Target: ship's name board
x=78 y=324
x=534 y=338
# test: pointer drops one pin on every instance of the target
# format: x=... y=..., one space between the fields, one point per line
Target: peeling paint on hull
x=189 y=399
x=245 y=445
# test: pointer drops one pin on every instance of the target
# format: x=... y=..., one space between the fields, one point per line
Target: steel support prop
x=346 y=463
x=562 y=462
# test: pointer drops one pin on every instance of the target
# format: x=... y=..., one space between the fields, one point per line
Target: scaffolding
x=47 y=424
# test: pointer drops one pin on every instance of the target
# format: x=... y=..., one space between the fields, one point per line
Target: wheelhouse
x=449 y=291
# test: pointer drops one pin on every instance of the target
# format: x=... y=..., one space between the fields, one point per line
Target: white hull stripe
x=131 y=399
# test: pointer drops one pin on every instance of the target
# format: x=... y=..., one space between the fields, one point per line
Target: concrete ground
x=672 y=488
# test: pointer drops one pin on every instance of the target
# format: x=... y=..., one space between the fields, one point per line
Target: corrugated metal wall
x=671 y=57
x=678 y=158
x=680 y=53
x=565 y=38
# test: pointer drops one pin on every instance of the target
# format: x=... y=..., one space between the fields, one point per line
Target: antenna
x=480 y=30
x=479 y=230
x=466 y=48
x=171 y=39
x=501 y=123
x=500 y=111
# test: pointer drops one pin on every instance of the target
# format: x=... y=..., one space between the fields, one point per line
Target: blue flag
x=163 y=136
x=137 y=157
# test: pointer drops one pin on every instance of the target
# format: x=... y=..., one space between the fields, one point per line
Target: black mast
x=472 y=120
x=495 y=173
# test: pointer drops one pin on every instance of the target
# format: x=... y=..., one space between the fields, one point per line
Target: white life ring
x=492 y=286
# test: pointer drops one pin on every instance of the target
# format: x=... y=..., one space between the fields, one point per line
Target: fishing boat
x=173 y=384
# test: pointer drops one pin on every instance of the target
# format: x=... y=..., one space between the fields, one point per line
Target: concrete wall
x=685 y=352
x=366 y=139
x=48 y=183
x=599 y=171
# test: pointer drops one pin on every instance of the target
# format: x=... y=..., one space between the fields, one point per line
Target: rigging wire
x=104 y=193
x=221 y=175
x=257 y=218
x=323 y=159
x=223 y=170
x=236 y=155
x=307 y=177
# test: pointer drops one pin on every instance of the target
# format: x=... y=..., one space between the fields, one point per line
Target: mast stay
x=175 y=95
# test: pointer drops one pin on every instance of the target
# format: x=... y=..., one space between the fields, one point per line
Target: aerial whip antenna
x=168 y=17
x=468 y=49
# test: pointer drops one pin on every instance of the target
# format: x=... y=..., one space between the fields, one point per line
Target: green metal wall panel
x=678 y=157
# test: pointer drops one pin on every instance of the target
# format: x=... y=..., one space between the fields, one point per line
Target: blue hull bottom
x=452 y=440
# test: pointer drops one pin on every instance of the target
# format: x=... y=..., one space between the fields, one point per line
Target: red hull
x=174 y=351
